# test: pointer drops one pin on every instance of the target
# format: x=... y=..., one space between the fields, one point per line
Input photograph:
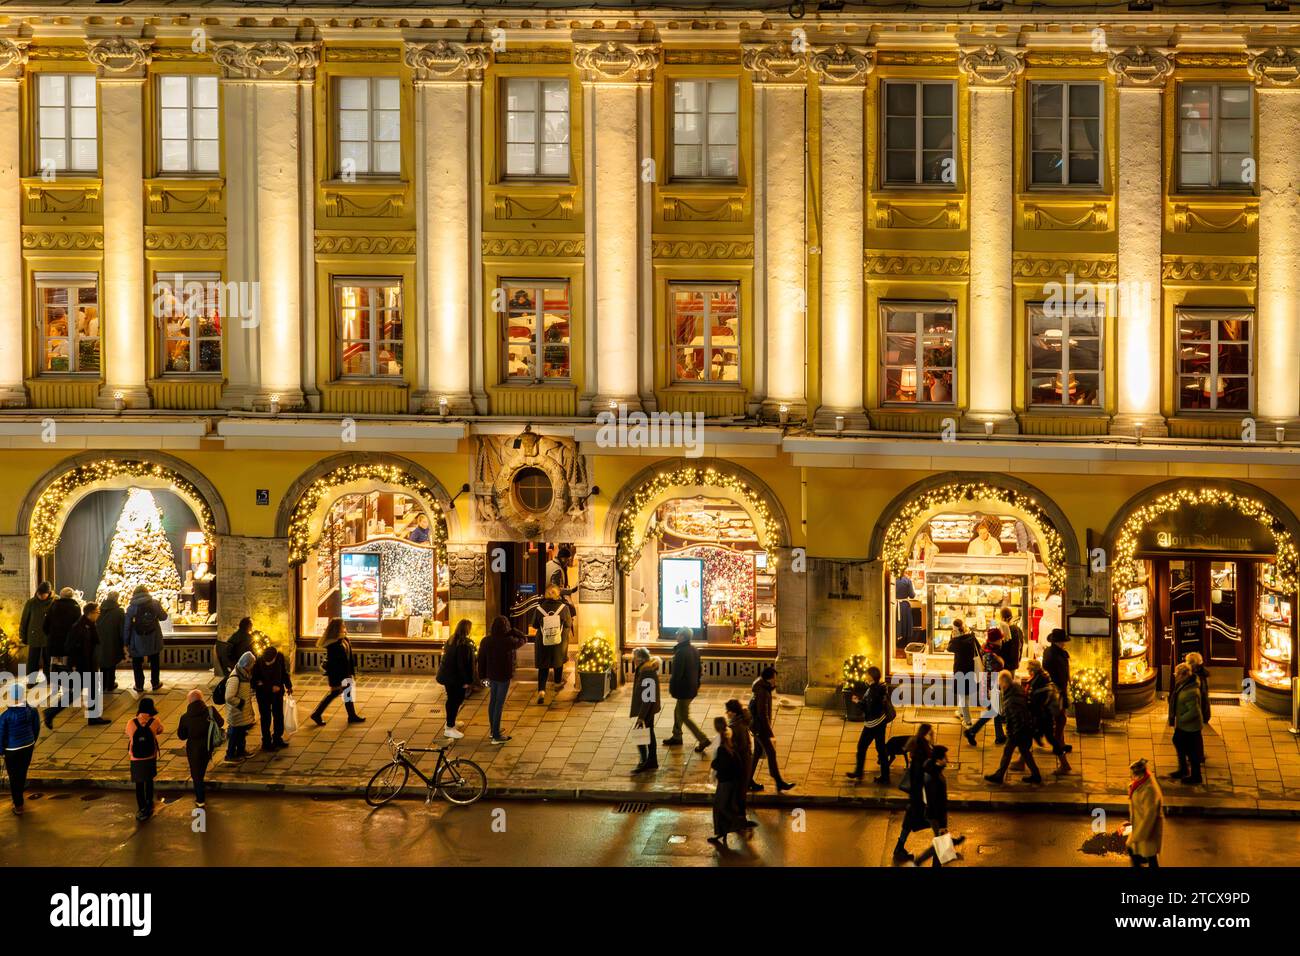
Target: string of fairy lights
x=596 y=656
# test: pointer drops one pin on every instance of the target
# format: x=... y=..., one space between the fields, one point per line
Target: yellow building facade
x=813 y=335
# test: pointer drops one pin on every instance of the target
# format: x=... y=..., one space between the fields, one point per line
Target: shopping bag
x=641 y=736
x=944 y=850
x=290 y=715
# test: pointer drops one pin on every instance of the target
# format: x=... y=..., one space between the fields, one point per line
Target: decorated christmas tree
x=140 y=553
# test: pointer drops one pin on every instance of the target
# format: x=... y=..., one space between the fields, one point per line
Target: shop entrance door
x=1220 y=587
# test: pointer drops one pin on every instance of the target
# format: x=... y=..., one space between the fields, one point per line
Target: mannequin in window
x=903 y=594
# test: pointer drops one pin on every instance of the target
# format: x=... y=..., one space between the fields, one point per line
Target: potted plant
x=595 y=670
x=1089 y=693
x=853 y=673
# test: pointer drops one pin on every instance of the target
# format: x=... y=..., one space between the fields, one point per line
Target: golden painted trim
x=63 y=196
x=181 y=196
x=1067 y=216
x=522 y=248
x=916 y=58
x=945 y=213
x=1048 y=266
x=1065 y=59
x=1193 y=60
x=1233 y=216
x=694 y=57
x=368 y=201
x=356 y=54
x=557 y=206
x=930 y=266
x=705 y=209
x=188 y=239
x=702 y=249
x=539 y=55
x=362 y=244
x=1219 y=269
x=51 y=240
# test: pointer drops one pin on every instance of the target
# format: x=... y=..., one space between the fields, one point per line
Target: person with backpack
x=20 y=727
x=553 y=622
x=684 y=686
x=1020 y=731
x=142 y=635
x=271 y=684
x=109 y=626
x=1048 y=714
x=877 y=713
x=239 y=708
x=991 y=660
x=31 y=631
x=919 y=750
x=340 y=673
x=142 y=732
x=200 y=728
x=456 y=674
x=761 y=720
x=645 y=706
x=496 y=668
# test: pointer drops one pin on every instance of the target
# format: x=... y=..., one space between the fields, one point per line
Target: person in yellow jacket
x=1146 y=812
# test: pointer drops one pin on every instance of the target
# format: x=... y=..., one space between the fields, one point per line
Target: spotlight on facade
x=119 y=401
x=988 y=428
x=839 y=424
x=797 y=10
x=1280 y=432
x=443 y=407
x=783 y=411
x=1140 y=6
x=1137 y=432
x=463 y=489
x=990 y=6
x=1277 y=6
x=275 y=404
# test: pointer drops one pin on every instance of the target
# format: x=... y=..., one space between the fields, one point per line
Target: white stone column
x=991 y=74
x=448 y=77
x=13 y=58
x=1277 y=380
x=1140 y=76
x=842 y=71
x=780 y=106
x=264 y=217
x=123 y=65
x=613 y=73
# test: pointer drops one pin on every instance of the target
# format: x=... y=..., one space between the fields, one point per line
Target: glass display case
x=976 y=598
x=1135 y=628
x=1273 y=629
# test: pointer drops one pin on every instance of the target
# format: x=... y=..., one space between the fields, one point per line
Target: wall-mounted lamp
x=1280 y=432
x=595 y=490
x=1137 y=431
x=783 y=412
x=839 y=424
x=463 y=488
x=443 y=407
x=988 y=428
x=119 y=401
x=275 y=404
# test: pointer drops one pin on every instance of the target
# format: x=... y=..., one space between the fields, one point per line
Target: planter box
x=1087 y=717
x=595 y=687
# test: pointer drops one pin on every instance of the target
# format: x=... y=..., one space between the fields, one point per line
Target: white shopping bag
x=641 y=736
x=290 y=715
x=944 y=849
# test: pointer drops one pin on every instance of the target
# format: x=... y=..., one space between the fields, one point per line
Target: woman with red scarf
x=1146 y=813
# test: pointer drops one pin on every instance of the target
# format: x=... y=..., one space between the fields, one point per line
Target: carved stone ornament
x=774 y=62
x=267 y=59
x=841 y=63
x=1140 y=67
x=466 y=572
x=500 y=514
x=444 y=60
x=1277 y=66
x=119 y=54
x=991 y=65
x=595 y=577
x=613 y=60
x=13 y=54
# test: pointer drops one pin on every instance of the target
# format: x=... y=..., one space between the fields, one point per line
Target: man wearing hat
x=1056 y=661
x=1146 y=810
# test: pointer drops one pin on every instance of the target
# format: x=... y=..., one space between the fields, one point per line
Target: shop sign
x=266 y=571
x=1206 y=529
x=1189 y=632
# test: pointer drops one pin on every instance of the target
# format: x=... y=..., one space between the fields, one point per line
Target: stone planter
x=1087 y=717
x=595 y=687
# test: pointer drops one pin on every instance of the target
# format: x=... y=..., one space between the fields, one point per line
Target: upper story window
x=1065 y=355
x=536 y=333
x=537 y=127
x=705 y=129
x=705 y=324
x=187 y=125
x=1215 y=135
x=369 y=131
x=917 y=353
x=66 y=123
x=1065 y=134
x=1214 y=360
x=187 y=308
x=920 y=127
x=368 y=320
x=67 y=322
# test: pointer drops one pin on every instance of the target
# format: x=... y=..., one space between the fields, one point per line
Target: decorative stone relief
x=16 y=585
x=119 y=54
x=615 y=60
x=595 y=576
x=896 y=265
x=991 y=65
x=1038 y=267
x=509 y=246
x=60 y=240
x=774 y=62
x=467 y=572
x=1140 y=67
x=366 y=245
x=1218 y=269
x=702 y=249
x=444 y=61
x=842 y=63
x=13 y=55
x=267 y=59
x=500 y=515
x=1276 y=66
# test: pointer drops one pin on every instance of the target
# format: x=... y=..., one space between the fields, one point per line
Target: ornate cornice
x=63 y=241
x=916 y=57
x=842 y=64
x=1207 y=59
x=937 y=266
x=366 y=245
x=1140 y=68
x=1048 y=267
x=991 y=65
x=119 y=56
x=1276 y=66
x=1191 y=269
x=610 y=60
x=13 y=55
x=444 y=61
x=267 y=59
x=774 y=62
x=189 y=240
x=362 y=54
x=702 y=249
x=506 y=247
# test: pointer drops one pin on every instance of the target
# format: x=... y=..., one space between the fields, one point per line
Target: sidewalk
x=571 y=750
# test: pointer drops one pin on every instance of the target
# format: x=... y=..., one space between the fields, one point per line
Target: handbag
x=290 y=715
x=641 y=736
x=944 y=851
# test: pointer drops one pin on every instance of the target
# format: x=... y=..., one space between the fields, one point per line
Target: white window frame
x=191 y=141
x=372 y=141
x=67 y=107
x=918 y=150
x=177 y=283
x=539 y=124
x=705 y=112
x=1067 y=181
x=1215 y=117
x=375 y=340
x=1039 y=309
x=1214 y=317
x=706 y=288
x=71 y=282
x=538 y=287
x=918 y=309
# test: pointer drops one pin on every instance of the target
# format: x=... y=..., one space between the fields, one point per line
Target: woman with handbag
x=339 y=670
x=919 y=749
x=196 y=728
x=731 y=778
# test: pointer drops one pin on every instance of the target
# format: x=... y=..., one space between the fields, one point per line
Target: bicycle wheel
x=461 y=781
x=387 y=783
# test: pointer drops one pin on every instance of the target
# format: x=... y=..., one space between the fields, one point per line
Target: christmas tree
x=140 y=553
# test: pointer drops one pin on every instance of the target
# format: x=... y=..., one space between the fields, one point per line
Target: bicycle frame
x=401 y=756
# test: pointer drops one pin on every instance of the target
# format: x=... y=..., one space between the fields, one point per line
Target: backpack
x=145 y=620
x=552 y=628
x=144 y=745
x=216 y=736
x=219 y=692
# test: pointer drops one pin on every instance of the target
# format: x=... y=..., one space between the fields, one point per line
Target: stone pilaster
x=13 y=60
x=16 y=584
x=256 y=581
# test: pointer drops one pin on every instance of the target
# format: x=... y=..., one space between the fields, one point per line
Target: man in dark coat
x=142 y=635
x=74 y=653
x=1013 y=641
x=240 y=643
x=760 y=713
x=31 y=631
x=60 y=619
x=872 y=697
x=936 y=801
x=1019 y=728
x=684 y=685
x=1056 y=661
x=109 y=626
x=271 y=682
x=964 y=649
x=496 y=665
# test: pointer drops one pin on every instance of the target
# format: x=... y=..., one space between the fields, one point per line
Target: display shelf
x=1273 y=630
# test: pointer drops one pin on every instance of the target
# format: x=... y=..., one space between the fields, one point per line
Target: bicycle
x=460 y=781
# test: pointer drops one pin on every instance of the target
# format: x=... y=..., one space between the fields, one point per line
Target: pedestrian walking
x=742 y=741
x=684 y=686
x=761 y=722
x=1019 y=730
x=20 y=727
x=1146 y=814
x=239 y=708
x=1197 y=663
x=60 y=620
x=31 y=631
x=1047 y=714
x=340 y=673
x=111 y=649
x=200 y=728
x=496 y=667
x=877 y=712
x=552 y=621
x=456 y=674
x=936 y=803
x=1185 y=718
x=142 y=733
x=272 y=683
x=1013 y=640
x=967 y=667
x=919 y=750
x=235 y=647
x=730 y=777
x=83 y=659
x=991 y=661
x=1056 y=661
x=143 y=637
x=645 y=707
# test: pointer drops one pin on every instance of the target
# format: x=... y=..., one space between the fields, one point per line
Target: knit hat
x=246 y=661
x=147 y=707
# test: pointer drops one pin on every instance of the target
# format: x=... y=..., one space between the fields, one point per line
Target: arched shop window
x=376 y=565
x=702 y=566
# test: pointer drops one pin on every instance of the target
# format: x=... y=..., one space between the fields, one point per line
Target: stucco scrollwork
x=267 y=59
x=119 y=54
x=991 y=65
x=615 y=60
x=1276 y=66
x=443 y=60
x=842 y=63
x=774 y=62
x=1140 y=67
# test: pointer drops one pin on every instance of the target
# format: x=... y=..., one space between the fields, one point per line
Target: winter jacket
x=149 y=643
x=145 y=720
x=109 y=626
x=1013 y=647
x=992 y=654
x=1056 y=661
x=551 y=655
x=1044 y=703
x=1185 y=706
x=193 y=729
x=229 y=652
x=936 y=795
x=82 y=646
x=728 y=767
x=20 y=726
x=60 y=619
x=31 y=631
x=270 y=674
x=963 y=648
x=645 y=692
x=1146 y=811
x=741 y=739
x=688 y=672
x=760 y=710
x=1015 y=711
x=456 y=669
x=873 y=703
x=496 y=655
x=239 y=700
x=1203 y=682
x=338 y=662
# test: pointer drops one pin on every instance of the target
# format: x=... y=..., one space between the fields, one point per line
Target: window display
x=1136 y=649
x=706 y=333
x=1273 y=626
x=188 y=310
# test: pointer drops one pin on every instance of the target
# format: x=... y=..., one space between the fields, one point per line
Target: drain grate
x=632 y=808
